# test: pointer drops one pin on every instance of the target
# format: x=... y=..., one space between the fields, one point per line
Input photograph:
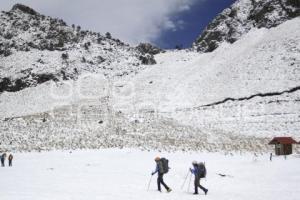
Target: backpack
x=164 y=167
x=201 y=170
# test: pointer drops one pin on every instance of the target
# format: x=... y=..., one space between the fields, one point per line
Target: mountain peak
x=24 y=9
x=243 y=15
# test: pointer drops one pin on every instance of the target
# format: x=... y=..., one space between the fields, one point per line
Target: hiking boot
x=206 y=191
x=169 y=190
x=195 y=193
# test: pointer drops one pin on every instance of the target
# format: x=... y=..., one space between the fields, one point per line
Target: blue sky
x=195 y=20
x=165 y=23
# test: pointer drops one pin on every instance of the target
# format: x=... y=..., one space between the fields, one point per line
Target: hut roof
x=283 y=140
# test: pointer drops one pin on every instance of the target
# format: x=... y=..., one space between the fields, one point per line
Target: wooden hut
x=283 y=145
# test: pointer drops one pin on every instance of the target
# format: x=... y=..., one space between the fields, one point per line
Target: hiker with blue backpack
x=199 y=170
x=162 y=167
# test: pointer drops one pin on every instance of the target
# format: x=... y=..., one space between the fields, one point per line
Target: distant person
x=162 y=167
x=199 y=171
x=271 y=156
x=10 y=158
x=3 y=157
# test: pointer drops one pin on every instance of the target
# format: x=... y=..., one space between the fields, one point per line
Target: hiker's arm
x=156 y=170
x=192 y=171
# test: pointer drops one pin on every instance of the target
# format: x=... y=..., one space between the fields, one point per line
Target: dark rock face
x=30 y=80
x=243 y=15
x=147 y=59
x=148 y=51
x=25 y=9
x=149 y=48
x=4 y=50
x=286 y=9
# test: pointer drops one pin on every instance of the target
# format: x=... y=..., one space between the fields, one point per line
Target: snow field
x=124 y=174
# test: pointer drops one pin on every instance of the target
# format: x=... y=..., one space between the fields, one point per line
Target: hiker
x=3 y=157
x=199 y=171
x=161 y=168
x=10 y=158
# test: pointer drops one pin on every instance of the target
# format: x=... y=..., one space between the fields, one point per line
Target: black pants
x=160 y=180
x=2 y=162
x=197 y=184
x=10 y=163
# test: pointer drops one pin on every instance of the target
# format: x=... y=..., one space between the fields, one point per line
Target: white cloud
x=132 y=21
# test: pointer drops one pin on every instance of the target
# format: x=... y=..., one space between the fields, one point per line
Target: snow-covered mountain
x=232 y=99
x=35 y=49
x=241 y=17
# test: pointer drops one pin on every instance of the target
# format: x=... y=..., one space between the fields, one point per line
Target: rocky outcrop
x=25 y=9
x=243 y=15
x=147 y=48
x=14 y=85
x=147 y=59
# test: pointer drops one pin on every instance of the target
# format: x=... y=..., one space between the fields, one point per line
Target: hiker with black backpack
x=3 y=157
x=199 y=170
x=162 y=167
x=10 y=158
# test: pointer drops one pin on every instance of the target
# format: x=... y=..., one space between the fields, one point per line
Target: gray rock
x=25 y=9
x=149 y=48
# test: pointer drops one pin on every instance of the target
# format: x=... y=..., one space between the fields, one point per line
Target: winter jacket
x=158 y=168
x=197 y=170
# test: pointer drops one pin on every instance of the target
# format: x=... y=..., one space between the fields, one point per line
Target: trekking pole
x=190 y=183
x=185 y=179
x=149 y=183
x=205 y=173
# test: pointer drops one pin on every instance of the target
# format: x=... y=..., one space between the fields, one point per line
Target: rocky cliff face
x=35 y=48
x=243 y=15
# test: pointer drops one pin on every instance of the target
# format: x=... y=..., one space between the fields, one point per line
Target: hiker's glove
x=152 y=173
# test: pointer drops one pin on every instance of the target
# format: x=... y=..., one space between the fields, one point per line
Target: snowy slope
x=264 y=60
x=255 y=79
x=233 y=99
x=124 y=174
